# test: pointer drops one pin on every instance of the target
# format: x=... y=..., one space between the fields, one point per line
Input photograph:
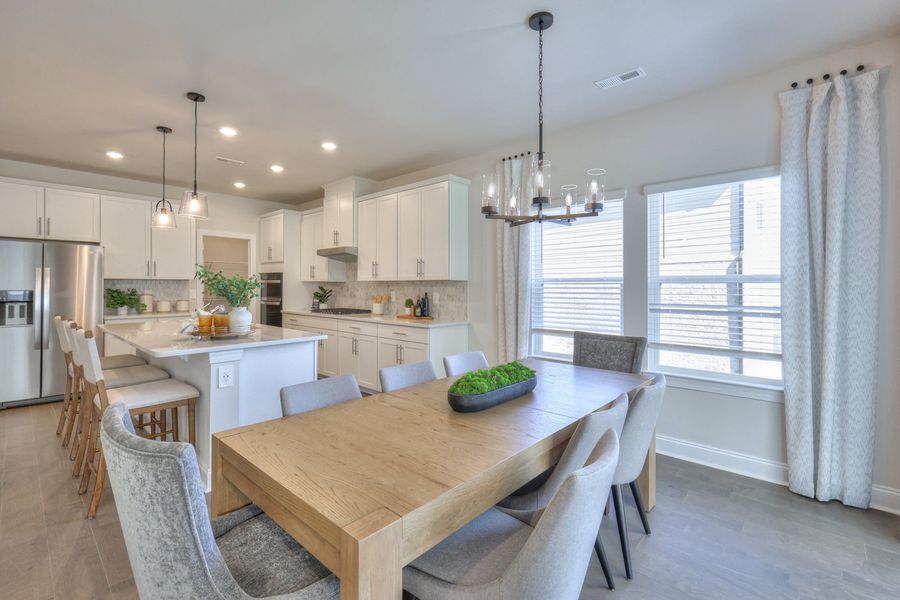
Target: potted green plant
x=408 y=305
x=122 y=300
x=237 y=290
x=322 y=296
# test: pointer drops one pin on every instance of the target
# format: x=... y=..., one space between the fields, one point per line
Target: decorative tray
x=415 y=318
x=231 y=335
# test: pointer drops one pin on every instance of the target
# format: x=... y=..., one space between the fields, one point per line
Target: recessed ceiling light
x=329 y=146
x=277 y=168
x=240 y=185
x=115 y=155
x=228 y=131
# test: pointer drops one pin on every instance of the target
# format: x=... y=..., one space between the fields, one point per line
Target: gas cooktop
x=343 y=311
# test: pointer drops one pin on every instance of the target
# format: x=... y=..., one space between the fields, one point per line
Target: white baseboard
x=883 y=498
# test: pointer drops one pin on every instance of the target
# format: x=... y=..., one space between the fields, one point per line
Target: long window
x=714 y=278
x=576 y=281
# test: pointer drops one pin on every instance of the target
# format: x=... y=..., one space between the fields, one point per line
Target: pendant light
x=163 y=214
x=193 y=203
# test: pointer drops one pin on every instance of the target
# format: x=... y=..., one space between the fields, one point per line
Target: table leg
x=370 y=558
x=647 y=478
x=225 y=497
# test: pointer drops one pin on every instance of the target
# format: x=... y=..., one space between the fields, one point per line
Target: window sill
x=753 y=391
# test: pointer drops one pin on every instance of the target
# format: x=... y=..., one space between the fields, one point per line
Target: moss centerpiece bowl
x=484 y=388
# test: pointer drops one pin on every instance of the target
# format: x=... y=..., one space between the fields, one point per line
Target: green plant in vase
x=123 y=299
x=237 y=290
x=322 y=296
x=408 y=304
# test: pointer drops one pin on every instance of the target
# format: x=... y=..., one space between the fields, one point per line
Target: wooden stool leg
x=77 y=397
x=71 y=418
x=84 y=425
x=65 y=407
x=98 y=487
x=192 y=417
x=90 y=454
x=175 y=433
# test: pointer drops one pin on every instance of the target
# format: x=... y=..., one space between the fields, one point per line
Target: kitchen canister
x=146 y=298
x=182 y=306
x=163 y=306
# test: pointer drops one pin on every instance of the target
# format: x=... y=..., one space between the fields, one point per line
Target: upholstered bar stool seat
x=129 y=376
x=149 y=394
x=120 y=361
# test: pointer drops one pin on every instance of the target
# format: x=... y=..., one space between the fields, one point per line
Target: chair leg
x=98 y=487
x=77 y=397
x=604 y=564
x=81 y=438
x=90 y=455
x=175 y=435
x=163 y=425
x=619 y=505
x=192 y=425
x=71 y=419
x=636 y=492
x=65 y=407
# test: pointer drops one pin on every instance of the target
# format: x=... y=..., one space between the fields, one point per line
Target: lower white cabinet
x=392 y=353
x=358 y=356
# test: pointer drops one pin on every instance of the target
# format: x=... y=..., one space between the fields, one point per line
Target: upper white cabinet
x=23 y=210
x=313 y=267
x=377 y=233
x=134 y=250
x=71 y=216
x=339 y=210
x=271 y=238
x=49 y=213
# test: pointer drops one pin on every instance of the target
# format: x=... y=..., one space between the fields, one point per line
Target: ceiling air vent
x=611 y=82
x=231 y=161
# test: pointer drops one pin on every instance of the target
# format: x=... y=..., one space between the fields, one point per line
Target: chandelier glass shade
x=163 y=215
x=193 y=203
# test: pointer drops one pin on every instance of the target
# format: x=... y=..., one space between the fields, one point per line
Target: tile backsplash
x=448 y=298
x=162 y=289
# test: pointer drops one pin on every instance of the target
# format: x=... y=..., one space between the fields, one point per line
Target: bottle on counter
x=426 y=306
x=418 y=306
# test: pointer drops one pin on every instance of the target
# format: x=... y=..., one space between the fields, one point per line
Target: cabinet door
x=125 y=236
x=388 y=354
x=346 y=224
x=328 y=355
x=368 y=235
x=277 y=237
x=22 y=207
x=173 y=251
x=409 y=229
x=367 y=362
x=71 y=216
x=347 y=363
x=386 y=256
x=411 y=352
x=330 y=218
x=310 y=229
x=266 y=233
x=436 y=232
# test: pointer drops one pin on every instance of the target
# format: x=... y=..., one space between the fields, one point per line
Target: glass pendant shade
x=569 y=201
x=595 y=193
x=490 y=194
x=540 y=178
x=193 y=205
x=163 y=216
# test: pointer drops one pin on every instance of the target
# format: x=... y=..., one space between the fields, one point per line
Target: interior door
x=70 y=215
x=369 y=231
x=367 y=362
x=20 y=345
x=23 y=211
x=386 y=254
x=173 y=256
x=409 y=227
x=125 y=235
x=436 y=232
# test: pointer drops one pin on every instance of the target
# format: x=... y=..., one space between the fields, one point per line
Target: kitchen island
x=239 y=379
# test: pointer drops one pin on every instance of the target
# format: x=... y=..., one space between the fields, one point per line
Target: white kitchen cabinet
x=71 y=216
x=409 y=242
x=271 y=238
x=392 y=353
x=125 y=235
x=377 y=236
x=173 y=251
x=358 y=356
x=327 y=360
x=315 y=268
x=339 y=219
x=22 y=207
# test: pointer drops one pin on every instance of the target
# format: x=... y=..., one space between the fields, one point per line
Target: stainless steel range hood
x=347 y=254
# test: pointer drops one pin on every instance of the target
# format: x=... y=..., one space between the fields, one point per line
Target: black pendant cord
x=164 y=171
x=541 y=92
x=195 y=147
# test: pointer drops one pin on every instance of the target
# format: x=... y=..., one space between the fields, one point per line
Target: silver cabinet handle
x=48 y=226
x=397 y=354
x=353 y=328
x=401 y=355
x=154 y=268
x=148 y=268
x=423 y=268
x=314 y=271
x=39 y=222
x=376 y=268
x=399 y=333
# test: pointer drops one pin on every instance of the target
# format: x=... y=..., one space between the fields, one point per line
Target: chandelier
x=571 y=204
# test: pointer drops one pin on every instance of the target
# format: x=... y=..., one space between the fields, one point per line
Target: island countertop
x=161 y=339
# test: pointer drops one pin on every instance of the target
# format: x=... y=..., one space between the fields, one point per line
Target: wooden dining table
x=369 y=485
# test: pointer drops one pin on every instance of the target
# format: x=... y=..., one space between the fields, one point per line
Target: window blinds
x=714 y=292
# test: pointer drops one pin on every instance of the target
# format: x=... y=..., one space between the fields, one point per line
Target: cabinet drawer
x=308 y=323
x=407 y=334
x=358 y=327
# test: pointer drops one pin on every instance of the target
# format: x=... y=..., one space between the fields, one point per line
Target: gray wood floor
x=715 y=535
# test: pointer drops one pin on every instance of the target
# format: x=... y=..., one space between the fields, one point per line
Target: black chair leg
x=636 y=492
x=619 y=505
x=601 y=556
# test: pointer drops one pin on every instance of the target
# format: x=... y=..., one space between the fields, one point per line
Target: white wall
x=732 y=127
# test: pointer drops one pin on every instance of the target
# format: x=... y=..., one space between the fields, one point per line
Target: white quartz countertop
x=161 y=339
x=383 y=319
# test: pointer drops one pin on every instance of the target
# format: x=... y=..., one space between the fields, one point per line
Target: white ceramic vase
x=239 y=319
x=122 y=311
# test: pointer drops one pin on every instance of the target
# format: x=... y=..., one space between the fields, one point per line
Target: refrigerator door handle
x=45 y=309
x=38 y=306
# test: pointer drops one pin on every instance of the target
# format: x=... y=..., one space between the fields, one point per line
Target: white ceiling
x=399 y=85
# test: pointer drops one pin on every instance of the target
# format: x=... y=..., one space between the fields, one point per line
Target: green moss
x=483 y=381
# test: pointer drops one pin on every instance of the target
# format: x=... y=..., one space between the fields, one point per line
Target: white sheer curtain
x=514 y=261
x=830 y=238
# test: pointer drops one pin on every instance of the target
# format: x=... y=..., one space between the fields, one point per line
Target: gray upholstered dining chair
x=640 y=423
x=404 y=376
x=610 y=352
x=313 y=395
x=174 y=549
x=525 y=555
x=459 y=364
x=586 y=436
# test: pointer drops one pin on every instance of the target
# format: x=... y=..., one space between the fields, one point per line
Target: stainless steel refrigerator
x=37 y=281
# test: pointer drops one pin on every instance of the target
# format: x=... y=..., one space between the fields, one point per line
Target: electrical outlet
x=393 y=296
x=226 y=376
x=437 y=297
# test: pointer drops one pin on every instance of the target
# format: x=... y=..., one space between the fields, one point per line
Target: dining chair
x=640 y=425
x=404 y=376
x=147 y=398
x=239 y=556
x=459 y=364
x=611 y=352
x=588 y=433
x=313 y=395
x=525 y=555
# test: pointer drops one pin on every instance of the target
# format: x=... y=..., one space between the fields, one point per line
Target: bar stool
x=156 y=396
x=116 y=378
x=68 y=413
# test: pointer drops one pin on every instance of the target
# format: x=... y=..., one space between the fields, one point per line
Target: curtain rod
x=523 y=155
x=827 y=76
